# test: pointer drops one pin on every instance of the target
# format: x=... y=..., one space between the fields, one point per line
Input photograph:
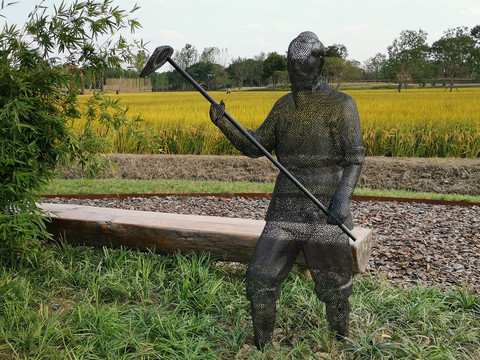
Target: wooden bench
x=228 y=239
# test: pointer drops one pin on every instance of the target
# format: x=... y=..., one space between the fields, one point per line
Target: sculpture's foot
x=263 y=316
x=338 y=316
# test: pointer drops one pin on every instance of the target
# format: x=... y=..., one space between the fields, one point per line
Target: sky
x=246 y=28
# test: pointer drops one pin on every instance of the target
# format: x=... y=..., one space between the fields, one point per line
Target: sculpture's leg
x=338 y=316
x=329 y=258
x=271 y=262
x=263 y=316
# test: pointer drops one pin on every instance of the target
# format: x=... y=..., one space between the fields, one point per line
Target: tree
x=337 y=51
x=246 y=70
x=139 y=60
x=219 y=78
x=208 y=74
x=374 y=66
x=272 y=65
x=260 y=57
x=255 y=71
x=339 y=70
x=38 y=102
x=454 y=53
x=187 y=56
x=210 y=54
x=475 y=33
x=201 y=72
x=238 y=70
x=408 y=57
x=159 y=81
x=176 y=80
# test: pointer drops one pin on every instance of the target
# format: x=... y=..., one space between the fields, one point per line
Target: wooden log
x=228 y=239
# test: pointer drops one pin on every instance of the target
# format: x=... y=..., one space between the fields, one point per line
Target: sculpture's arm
x=265 y=134
x=354 y=157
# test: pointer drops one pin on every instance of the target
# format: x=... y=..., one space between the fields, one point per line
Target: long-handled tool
x=162 y=54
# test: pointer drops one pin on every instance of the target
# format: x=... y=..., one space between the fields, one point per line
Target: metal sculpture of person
x=315 y=133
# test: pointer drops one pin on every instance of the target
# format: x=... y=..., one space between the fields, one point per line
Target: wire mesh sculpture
x=315 y=133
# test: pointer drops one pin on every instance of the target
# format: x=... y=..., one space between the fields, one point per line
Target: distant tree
x=187 y=56
x=336 y=51
x=159 y=81
x=475 y=33
x=374 y=66
x=210 y=54
x=176 y=81
x=333 y=70
x=220 y=78
x=454 y=54
x=408 y=56
x=246 y=71
x=260 y=57
x=254 y=71
x=272 y=64
x=209 y=74
x=139 y=60
x=238 y=70
x=201 y=71
x=339 y=70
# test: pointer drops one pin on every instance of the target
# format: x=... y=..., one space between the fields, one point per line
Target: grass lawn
x=116 y=186
x=71 y=302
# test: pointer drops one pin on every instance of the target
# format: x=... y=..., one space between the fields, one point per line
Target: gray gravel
x=429 y=244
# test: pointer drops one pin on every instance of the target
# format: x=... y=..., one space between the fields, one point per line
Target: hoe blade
x=156 y=61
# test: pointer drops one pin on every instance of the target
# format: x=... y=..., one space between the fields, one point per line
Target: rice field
x=413 y=123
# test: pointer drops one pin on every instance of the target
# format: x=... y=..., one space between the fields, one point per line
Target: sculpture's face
x=305 y=61
x=305 y=74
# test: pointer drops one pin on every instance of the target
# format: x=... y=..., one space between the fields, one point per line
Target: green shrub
x=38 y=103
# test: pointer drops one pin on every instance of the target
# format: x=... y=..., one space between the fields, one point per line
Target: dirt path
x=441 y=175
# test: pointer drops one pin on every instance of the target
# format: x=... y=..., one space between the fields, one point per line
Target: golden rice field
x=416 y=122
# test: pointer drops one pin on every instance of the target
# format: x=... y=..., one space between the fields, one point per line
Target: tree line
x=408 y=60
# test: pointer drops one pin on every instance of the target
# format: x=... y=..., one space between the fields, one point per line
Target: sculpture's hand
x=217 y=111
x=338 y=211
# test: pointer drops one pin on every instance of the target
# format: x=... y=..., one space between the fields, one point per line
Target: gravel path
x=431 y=244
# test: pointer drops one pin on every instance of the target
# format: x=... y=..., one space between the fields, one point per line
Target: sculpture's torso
x=310 y=141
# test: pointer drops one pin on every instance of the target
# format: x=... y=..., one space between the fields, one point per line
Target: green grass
x=70 y=302
x=116 y=186
x=124 y=186
x=417 y=195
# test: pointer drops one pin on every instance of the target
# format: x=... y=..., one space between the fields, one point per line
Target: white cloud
x=173 y=35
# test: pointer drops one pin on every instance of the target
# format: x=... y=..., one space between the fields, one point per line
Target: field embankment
x=440 y=175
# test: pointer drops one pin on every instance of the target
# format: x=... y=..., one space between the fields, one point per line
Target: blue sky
x=248 y=27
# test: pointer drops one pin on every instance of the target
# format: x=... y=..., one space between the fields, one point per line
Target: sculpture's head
x=305 y=60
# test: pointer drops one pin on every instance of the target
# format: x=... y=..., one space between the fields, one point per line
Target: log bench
x=228 y=239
